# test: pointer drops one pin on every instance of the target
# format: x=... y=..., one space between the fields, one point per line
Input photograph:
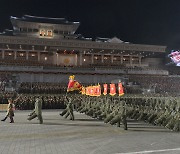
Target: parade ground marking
x=151 y=151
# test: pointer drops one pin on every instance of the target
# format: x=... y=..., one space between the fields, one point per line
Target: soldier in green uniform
x=69 y=109
x=66 y=109
x=37 y=111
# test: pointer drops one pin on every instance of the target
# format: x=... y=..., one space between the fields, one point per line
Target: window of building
x=55 y=31
x=29 y=30
x=65 y=32
x=46 y=33
x=21 y=54
x=24 y=29
x=42 y=32
x=49 y=33
x=35 y=30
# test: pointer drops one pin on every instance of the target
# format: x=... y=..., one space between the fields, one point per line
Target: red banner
x=112 y=89
x=91 y=91
x=120 y=89
x=97 y=90
x=105 y=89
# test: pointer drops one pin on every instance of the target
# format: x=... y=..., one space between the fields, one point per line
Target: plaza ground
x=82 y=136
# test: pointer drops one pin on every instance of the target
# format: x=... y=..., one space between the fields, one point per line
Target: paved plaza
x=82 y=136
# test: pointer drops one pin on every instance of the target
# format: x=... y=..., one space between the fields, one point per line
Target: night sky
x=136 y=21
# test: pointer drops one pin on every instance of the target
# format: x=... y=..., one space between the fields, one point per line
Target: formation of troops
x=160 y=111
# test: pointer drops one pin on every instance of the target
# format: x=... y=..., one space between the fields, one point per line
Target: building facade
x=37 y=43
x=53 y=41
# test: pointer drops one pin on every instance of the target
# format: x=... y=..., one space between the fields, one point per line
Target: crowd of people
x=42 y=88
x=162 y=84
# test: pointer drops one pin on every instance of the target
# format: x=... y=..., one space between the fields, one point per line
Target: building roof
x=7 y=32
x=29 y=18
x=110 y=40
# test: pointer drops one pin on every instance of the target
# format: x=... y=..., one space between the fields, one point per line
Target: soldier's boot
x=152 y=118
x=163 y=121
x=40 y=119
x=170 y=125
x=30 y=114
x=98 y=113
x=32 y=117
x=72 y=116
x=63 y=113
x=125 y=126
x=66 y=115
x=83 y=110
x=80 y=109
x=119 y=123
x=103 y=114
x=145 y=117
x=108 y=118
x=157 y=121
x=114 y=120
x=94 y=115
x=137 y=116
x=134 y=114
x=90 y=113
x=177 y=126
x=4 y=118
x=11 y=120
x=101 y=117
x=140 y=117
x=124 y=122
x=166 y=121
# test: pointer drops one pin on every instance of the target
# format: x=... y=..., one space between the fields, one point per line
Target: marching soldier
x=69 y=109
x=37 y=111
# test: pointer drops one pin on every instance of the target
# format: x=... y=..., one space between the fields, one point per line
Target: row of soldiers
x=161 y=111
x=42 y=88
x=26 y=102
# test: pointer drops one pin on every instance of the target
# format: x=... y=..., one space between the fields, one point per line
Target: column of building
x=112 y=59
x=15 y=54
x=121 y=59
x=102 y=58
x=130 y=60
x=2 y=54
x=140 y=60
x=92 y=58
x=27 y=55
x=38 y=55
x=80 y=58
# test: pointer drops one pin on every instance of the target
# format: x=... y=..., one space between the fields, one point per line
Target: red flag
x=112 y=89
x=73 y=84
x=105 y=89
x=91 y=91
x=97 y=90
x=120 y=89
